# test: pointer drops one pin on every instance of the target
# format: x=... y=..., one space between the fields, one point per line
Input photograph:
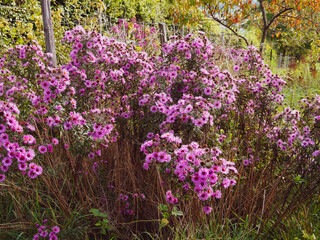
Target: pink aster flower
x=38 y=170
x=32 y=174
x=2 y=177
x=198 y=122
x=53 y=237
x=207 y=209
x=42 y=149
x=55 y=229
x=316 y=153
x=218 y=194
x=150 y=135
x=79 y=46
x=202 y=184
x=153 y=109
x=30 y=154
x=188 y=108
x=50 y=148
x=207 y=91
x=217 y=104
x=7 y=161
x=246 y=162
x=233 y=182
x=226 y=182
x=36 y=237
x=203 y=196
x=22 y=166
x=55 y=141
x=43 y=234
x=67 y=125
x=203 y=172
x=2 y=128
x=89 y=44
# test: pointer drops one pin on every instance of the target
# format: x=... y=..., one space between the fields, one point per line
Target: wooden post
x=280 y=61
x=222 y=38
x=48 y=31
x=182 y=31
x=100 y=20
x=163 y=33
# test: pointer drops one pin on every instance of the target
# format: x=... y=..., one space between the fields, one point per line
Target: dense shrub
x=216 y=139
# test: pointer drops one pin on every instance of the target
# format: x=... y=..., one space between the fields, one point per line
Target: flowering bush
x=201 y=125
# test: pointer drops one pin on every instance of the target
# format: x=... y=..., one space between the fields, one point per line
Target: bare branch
x=278 y=15
x=229 y=27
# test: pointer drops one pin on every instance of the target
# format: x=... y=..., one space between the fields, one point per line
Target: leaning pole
x=48 y=32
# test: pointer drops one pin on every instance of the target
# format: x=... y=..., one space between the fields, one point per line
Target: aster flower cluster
x=45 y=231
x=197 y=121
x=203 y=169
x=39 y=102
x=127 y=202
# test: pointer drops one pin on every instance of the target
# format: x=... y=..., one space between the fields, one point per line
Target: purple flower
x=2 y=177
x=2 y=128
x=203 y=196
x=55 y=141
x=246 y=162
x=67 y=125
x=207 y=209
x=226 y=182
x=7 y=161
x=236 y=68
x=22 y=166
x=150 y=135
x=55 y=229
x=203 y=172
x=38 y=170
x=217 y=104
x=32 y=174
x=42 y=149
x=36 y=237
x=153 y=109
x=43 y=234
x=218 y=194
x=53 y=237
x=207 y=91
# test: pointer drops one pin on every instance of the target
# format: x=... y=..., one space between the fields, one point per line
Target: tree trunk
x=263 y=38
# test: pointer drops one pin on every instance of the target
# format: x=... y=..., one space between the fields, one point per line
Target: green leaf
x=163 y=207
x=95 y=212
x=176 y=212
x=106 y=221
x=165 y=214
x=103 y=215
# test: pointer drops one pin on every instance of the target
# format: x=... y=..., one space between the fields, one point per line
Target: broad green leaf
x=163 y=207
